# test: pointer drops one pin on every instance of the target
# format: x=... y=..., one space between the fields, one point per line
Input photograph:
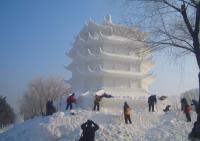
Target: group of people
x=89 y=128
x=152 y=100
x=50 y=108
x=71 y=99
x=126 y=109
x=186 y=108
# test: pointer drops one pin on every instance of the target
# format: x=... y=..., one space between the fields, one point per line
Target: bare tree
x=39 y=92
x=172 y=24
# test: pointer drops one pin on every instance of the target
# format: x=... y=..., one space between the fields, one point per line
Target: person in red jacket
x=71 y=99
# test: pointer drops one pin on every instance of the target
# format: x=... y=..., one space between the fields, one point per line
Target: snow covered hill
x=62 y=126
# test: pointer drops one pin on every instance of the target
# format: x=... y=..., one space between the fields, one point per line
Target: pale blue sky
x=35 y=34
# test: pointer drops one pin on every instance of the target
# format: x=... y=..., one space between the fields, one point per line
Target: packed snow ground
x=6 y=128
x=62 y=126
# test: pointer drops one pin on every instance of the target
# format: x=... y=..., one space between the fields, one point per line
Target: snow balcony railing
x=105 y=55
x=101 y=71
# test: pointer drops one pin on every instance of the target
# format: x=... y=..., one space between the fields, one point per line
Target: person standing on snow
x=196 y=105
x=97 y=100
x=183 y=103
x=127 y=113
x=89 y=128
x=50 y=109
x=187 y=112
x=195 y=134
x=186 y=108
x=152 y=100
x=70 y=100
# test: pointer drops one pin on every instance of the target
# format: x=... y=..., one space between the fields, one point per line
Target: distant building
x=109 y=56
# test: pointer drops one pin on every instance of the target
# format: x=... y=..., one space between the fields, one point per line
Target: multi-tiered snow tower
x=110 y=56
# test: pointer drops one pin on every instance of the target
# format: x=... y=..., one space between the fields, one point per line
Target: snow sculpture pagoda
x=109 y=56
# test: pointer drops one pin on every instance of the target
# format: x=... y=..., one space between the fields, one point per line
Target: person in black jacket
x=183 y=103
x=196 y=105
x=187 y=112
x=127 y=113
x=152 y=100
x=195 y=134
x=89 y=128
x=50 y=109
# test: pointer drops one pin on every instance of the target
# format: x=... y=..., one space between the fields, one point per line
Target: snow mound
x=65 y=126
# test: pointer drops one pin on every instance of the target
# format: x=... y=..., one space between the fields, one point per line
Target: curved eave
x=93 y=25
x=70 y=67
x=112 y=28
x=89 y=56
x=103 y=39
x=119 y=57
x=105 y=55
x=121 y=40
x=111 y=73
x=114 y=38
x=124 y=74
x=71 y=52
x=78 y=43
